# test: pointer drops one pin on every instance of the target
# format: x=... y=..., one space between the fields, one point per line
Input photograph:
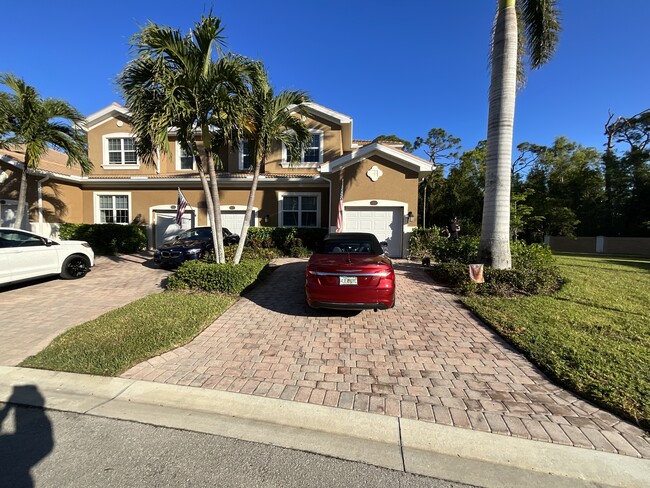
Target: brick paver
x=428 y=358
x=34 y=313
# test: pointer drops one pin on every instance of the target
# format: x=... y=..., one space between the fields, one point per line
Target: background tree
x=392 y=138
x=188 y=83
x=626 y=165
x=537 y=41
x=268 y=121
x=442 y=150
x=34 y=125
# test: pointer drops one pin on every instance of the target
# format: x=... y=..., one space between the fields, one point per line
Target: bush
x=286 y=239
x=249 y=253
x=212 y=277
x=534 y=273
x=434 y=244
x=423 y=241
x=107 y=239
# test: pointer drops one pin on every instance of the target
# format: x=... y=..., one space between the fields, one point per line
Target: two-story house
x=380 y=183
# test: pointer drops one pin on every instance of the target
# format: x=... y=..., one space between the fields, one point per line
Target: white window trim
x=240 y=158
x=285 y=163
x=179 y=151
x=281 y=196
x=96 y=210
x=120 y=166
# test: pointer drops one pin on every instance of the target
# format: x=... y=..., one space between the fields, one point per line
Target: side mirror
x=48 y=242
x=384 y=247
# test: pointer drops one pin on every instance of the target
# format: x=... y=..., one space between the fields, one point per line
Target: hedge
x=292 y=241
x=107 y=239
x=212 y=277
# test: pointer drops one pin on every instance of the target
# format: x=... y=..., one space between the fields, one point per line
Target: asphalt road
x=52 y=449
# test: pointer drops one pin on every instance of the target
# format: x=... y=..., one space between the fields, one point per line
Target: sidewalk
x=412 y=446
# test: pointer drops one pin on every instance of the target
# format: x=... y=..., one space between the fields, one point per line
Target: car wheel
x=75 y=267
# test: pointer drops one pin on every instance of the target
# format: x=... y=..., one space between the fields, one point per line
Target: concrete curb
x=451 y=453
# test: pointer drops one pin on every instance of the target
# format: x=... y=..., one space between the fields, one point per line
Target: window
x=16 y=238
x=244 y=155
x=312 y=154
x=184 y=160
x=113 y=209
x=121 y=150
x=300 y=210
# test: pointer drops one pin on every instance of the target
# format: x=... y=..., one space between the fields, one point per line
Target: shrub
x=107 y=239
x=285 y=238
x=534 y=273
x=211 y=277
x=249 y=253
x=433 y=244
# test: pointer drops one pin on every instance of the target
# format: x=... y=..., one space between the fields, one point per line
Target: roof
x=52 y=162
x=408 y=160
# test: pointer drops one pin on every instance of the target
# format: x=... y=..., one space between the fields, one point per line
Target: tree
x=627 y=174
x=540 y=21
x=406 y=145
x=268 y=120
x=36 y=124
x=186 y=83
x=442 y=150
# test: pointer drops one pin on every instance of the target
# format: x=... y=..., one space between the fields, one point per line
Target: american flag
x=180 y=207
x=339 y=217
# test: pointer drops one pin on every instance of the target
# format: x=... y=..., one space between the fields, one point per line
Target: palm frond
x=542 y=27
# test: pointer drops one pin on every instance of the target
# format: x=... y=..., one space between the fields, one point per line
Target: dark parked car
x=350 y=271
x=190 y=244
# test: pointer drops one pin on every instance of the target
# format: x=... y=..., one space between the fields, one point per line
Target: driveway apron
x=428 y=358
x=34 y=313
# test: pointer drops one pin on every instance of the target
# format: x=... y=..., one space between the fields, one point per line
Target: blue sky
x=394 y=67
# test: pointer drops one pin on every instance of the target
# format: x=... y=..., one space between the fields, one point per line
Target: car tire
x=75 y=267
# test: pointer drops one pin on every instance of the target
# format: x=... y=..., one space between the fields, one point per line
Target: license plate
x=347 y=280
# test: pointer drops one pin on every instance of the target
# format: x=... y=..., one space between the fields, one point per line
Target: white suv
x=25 y=255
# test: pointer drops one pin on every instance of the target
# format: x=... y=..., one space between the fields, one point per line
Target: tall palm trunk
x=22 y=199
x=218 y=226
x=249 y=211
x=495 y=230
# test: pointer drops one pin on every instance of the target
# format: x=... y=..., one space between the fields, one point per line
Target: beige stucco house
x=380 y=183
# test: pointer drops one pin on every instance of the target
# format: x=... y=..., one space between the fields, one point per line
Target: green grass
x=121 y=338
x=593 y=336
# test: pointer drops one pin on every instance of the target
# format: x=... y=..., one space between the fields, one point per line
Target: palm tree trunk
x=217 y=232
x=208 y=201
x=22 y=199
x=494 y=245
x=249 y=212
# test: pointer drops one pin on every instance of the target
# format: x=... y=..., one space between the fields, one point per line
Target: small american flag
x=339 y=217
x=180 y=207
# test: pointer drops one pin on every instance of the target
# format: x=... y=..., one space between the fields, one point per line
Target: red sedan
x=351 y=272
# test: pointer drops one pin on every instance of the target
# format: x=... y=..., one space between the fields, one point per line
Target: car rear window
x=351 y=246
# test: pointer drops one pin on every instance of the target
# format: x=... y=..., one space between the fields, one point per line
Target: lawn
x=112 y=343
x=593 y=336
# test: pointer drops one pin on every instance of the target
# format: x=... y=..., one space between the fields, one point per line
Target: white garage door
x=384 y=222
x=166 y=227
x=233 y=220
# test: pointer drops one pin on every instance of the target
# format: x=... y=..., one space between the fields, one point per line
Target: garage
x=234 y=219
x=383 y=222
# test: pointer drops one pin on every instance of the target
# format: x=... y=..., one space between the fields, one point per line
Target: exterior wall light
x=410 y=217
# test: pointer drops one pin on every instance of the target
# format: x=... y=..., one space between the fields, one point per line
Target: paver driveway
x=428 y=359
x=33 y=314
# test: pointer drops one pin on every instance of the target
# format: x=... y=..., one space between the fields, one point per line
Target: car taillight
x=387 y=279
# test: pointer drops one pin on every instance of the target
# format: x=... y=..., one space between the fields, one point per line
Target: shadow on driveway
x=284 y=292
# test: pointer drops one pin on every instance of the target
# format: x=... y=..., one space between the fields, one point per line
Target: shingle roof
x=52 y=162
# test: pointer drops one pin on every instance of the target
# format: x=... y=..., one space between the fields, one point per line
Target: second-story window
x=186 y=160
x=312 y=153
x=121 y=150
x=244 y=155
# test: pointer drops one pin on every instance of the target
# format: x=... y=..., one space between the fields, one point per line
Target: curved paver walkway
x=34 y=313
x=428 y=359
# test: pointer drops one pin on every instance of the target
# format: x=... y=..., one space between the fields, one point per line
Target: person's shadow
x=31 y=440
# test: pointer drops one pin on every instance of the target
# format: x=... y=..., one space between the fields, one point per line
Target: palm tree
x=186 y=83
x=35 y=125
x=269 y=120
x=538 y=40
